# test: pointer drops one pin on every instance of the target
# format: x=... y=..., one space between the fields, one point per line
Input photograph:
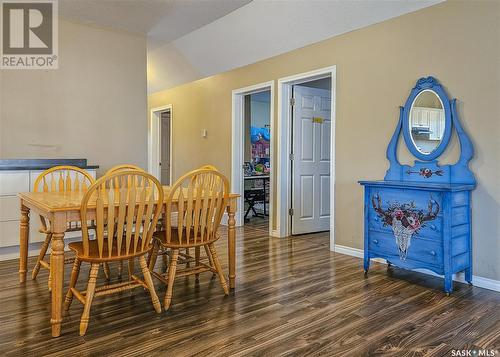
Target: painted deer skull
x=405 y=220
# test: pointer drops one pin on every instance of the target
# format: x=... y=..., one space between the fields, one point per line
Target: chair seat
x=93 y=255
x=174 y=239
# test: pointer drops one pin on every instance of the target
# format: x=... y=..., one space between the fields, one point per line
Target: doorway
x=306 y=153
x=310 y=160
x=160 y=144
x=257 y=157
x=165 y=147
x=252 y=153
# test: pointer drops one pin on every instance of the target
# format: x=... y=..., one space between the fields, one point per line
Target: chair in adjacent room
x=125 y=218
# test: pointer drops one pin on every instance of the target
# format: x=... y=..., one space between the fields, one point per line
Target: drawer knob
x=433 y=227
x=433 y=253
x=375 y=241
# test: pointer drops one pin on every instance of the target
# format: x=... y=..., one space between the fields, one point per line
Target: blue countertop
x=43 y=164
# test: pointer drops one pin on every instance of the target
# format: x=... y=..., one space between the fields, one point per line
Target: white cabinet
x=9 y=208
x=11 y=183
x=436 y=124
x=428 y=118
x=9 y=233
x=419 y=118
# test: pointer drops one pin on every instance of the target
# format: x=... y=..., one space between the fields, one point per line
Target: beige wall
x=93 y=106
x=457 y=42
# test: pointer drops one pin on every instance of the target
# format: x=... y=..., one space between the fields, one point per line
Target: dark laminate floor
x=293 y=297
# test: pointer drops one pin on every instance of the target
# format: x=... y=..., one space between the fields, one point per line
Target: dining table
x=61 y=208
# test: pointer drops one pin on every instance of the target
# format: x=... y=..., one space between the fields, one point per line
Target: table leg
x=57 y=271
x=231 y=243
x=24 y=232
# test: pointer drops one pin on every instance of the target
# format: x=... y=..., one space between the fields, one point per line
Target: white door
x=165 y=148
x=311 y=126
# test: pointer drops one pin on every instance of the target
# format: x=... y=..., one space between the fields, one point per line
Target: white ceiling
x=263 y=29
x=193 y=39
x=162 y=20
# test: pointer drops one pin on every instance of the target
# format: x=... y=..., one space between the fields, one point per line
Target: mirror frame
x=429 y=83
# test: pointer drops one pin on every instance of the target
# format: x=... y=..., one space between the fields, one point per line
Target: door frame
x=237 y=144
x=154 y=146
x=284 y=135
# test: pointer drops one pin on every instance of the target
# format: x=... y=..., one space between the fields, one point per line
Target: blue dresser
x=419 y=216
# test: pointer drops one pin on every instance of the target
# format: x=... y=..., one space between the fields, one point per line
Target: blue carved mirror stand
x=419 y=216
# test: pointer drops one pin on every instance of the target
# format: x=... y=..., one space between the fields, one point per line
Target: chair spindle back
x=209 y=167
x=202 y=197
x=63 y=179
x=125 y=167
x=124 y=214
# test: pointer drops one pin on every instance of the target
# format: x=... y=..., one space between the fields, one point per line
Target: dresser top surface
x=420 y=185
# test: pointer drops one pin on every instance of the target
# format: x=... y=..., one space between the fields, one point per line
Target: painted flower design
x=405 y=219
x=414 y=222
x=398 y=214
x=426 y=172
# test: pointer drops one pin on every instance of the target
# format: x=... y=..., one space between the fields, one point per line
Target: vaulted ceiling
x=161 y=20
x=193 y=39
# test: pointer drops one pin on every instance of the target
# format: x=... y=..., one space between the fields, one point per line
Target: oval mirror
x=427 y=121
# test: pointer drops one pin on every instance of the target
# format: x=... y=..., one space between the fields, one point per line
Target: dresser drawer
x=9 y=233
x=460 y=199
x=419 y=210
x=422 y=250
x=12 y=182
x=432 y=229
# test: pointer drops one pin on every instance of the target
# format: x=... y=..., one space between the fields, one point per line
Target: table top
x=70 y=201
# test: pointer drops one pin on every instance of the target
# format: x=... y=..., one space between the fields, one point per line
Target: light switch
x=204 y=133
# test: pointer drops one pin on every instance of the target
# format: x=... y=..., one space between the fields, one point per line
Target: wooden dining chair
x=209 y=167
x=118 y=168
x=185 y=257
x=61 y=179
x=124 y=167
x=126 y=218
x=201 y=197
x=196 y=257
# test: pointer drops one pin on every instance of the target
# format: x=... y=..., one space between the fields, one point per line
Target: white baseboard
x=8 y=253
x=275 y=233
x=478 y=281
